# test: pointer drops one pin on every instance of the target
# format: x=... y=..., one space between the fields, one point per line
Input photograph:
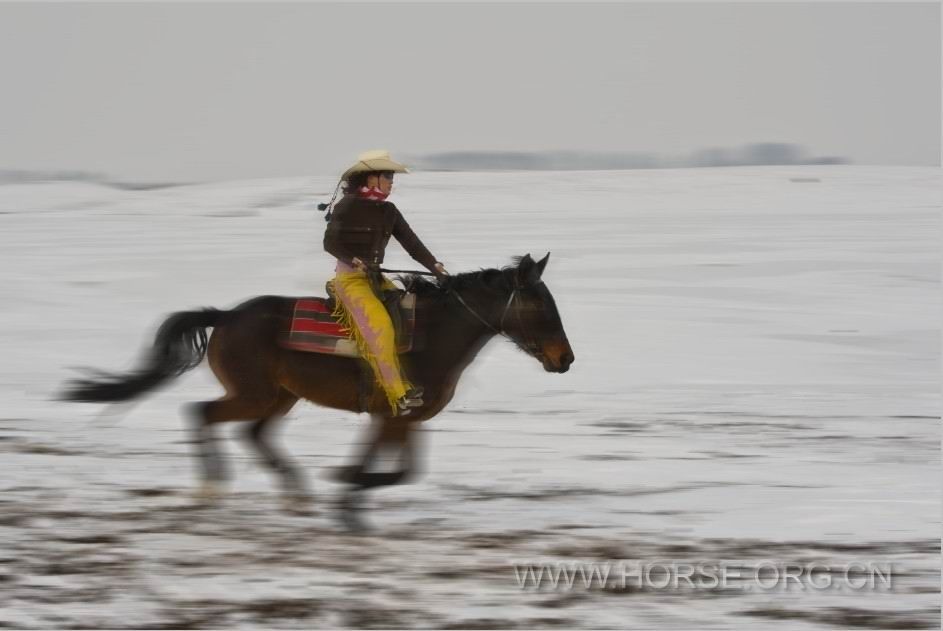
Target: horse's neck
x=453 y=338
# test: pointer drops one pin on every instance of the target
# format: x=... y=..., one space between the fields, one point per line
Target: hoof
x=208 y=493
x=298 y=504
x=353 y=523
x=349 y=514
x=344 y=475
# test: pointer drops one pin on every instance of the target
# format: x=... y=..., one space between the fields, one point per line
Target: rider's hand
x=359 y=264
x=440 y=268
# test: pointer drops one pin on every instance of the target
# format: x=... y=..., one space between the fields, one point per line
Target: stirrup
x=412 y=399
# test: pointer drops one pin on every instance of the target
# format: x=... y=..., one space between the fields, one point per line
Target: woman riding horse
x=263 y=380
x=359 y=227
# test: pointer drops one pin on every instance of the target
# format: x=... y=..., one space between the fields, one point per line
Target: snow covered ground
x=757 y=378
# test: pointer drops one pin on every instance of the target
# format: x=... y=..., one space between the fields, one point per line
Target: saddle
x=313 y=329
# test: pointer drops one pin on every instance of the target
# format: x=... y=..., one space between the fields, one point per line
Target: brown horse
x=263 y=380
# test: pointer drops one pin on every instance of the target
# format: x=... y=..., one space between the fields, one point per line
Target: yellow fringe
x=349 y=326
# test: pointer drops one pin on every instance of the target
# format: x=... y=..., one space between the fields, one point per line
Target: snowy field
x=757 y=378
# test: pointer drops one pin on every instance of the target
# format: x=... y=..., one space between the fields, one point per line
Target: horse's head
x=513 y=301
x=531 y=318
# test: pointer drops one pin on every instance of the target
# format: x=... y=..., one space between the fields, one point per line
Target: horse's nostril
x=567 y=358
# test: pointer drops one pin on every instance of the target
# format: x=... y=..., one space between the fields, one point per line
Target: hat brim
x=377 y=164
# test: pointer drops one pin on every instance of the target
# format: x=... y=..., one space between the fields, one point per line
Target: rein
x=485 y=322
x=504 y=313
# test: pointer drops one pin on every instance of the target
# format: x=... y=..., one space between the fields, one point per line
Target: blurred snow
x=757 y=363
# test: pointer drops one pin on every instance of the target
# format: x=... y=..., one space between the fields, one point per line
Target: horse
x=263 y=380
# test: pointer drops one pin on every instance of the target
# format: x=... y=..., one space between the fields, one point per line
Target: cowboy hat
x=375 y=160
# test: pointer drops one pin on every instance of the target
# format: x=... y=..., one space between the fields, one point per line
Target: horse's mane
x=491 y=277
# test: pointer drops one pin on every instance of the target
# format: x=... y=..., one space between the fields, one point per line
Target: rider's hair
x=355 y=180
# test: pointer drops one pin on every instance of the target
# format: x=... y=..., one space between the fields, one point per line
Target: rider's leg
x=373 y=331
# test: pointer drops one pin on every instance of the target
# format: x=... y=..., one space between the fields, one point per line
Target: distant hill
x=767 y=153
x=22 y=176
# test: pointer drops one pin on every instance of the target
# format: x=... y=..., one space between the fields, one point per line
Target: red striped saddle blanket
x=313 y=329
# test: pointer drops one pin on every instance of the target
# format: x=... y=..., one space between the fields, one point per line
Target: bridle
x=530 y=345
x=504 y=313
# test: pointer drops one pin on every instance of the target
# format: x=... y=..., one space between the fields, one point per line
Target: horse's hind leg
x=258 y=434
x=204 y=416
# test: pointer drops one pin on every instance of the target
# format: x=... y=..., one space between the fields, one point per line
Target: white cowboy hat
x=375 y=160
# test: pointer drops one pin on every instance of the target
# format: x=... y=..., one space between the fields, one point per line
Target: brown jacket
x=362 y=228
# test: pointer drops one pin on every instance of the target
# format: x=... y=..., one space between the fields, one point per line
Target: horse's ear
x=527 y=272
x=520 y=260
x=541 y=264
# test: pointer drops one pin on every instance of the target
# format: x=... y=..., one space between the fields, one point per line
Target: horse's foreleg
x=411 y=448
x=385 y=432
x=401 y=436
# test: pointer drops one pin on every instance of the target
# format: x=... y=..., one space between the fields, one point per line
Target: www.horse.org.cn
x=762 y=576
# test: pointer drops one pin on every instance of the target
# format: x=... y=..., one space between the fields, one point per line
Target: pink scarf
x=372 y=193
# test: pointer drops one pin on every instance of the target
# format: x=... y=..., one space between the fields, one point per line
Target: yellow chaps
x=365 y=319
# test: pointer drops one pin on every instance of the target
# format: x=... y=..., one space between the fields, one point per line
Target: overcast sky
x=214 y=91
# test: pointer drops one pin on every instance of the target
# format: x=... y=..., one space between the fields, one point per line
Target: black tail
x=180 y=345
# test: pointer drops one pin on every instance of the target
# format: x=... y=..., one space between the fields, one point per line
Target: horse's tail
x=180 y=345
